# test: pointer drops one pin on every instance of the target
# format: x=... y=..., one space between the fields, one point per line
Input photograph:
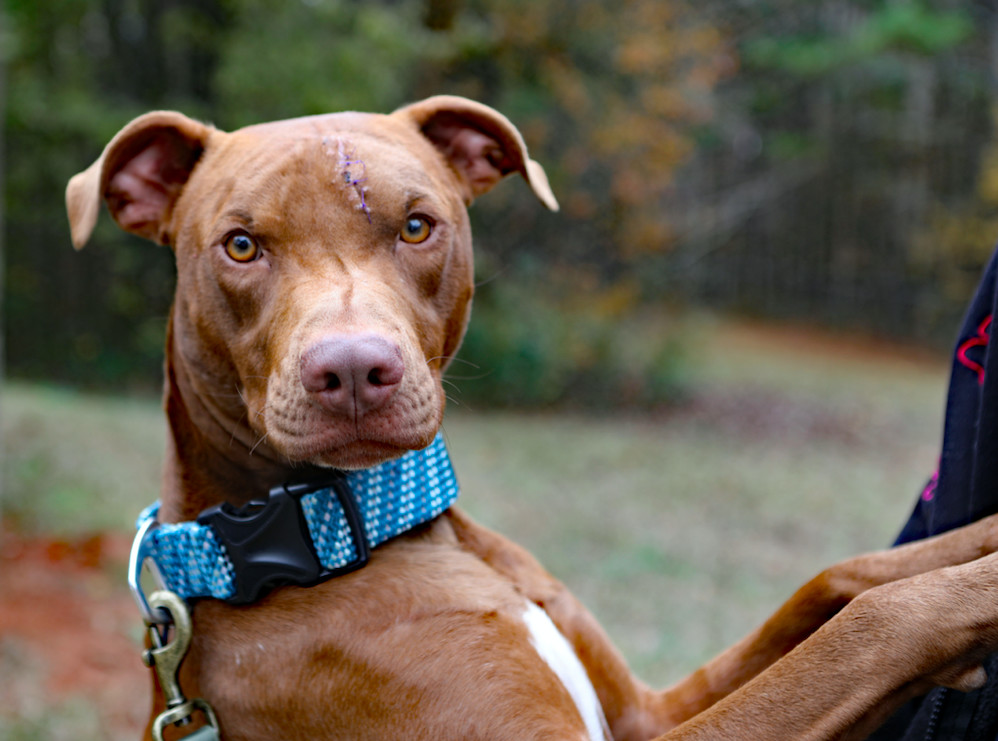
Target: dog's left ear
x=139 y=175
x=481 y=144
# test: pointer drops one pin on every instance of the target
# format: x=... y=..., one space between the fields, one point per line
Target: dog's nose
x=352 y=375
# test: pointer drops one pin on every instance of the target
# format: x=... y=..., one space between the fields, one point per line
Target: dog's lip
x=359 y=454
x=350 y=453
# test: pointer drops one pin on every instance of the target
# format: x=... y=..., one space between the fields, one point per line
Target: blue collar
x=303 y=534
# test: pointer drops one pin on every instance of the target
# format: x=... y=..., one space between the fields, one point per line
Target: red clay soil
x=69 y=631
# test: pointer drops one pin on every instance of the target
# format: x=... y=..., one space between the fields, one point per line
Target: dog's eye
x=241 y=248
x=417 y=229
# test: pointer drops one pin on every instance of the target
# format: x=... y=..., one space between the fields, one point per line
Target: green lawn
x=680 y=529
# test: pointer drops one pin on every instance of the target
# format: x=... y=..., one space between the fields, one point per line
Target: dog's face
x=293 y=236
x=324 y=267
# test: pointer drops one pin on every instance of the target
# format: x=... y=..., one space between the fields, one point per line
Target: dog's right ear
x=481 y=145
x=139 y=175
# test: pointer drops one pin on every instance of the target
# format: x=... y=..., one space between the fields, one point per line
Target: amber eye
x=241 y=248
x=417 y=229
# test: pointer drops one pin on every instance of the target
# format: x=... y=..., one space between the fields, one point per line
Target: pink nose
x=352 y=375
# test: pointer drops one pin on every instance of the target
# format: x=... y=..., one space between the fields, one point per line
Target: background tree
x=815 y=189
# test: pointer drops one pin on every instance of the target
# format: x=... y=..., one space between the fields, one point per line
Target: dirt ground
x=69 y=636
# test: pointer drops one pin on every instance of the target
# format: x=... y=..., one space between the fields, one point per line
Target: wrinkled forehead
x=360 y=155
x=351 y=141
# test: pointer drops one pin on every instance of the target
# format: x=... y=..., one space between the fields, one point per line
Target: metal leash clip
x=136 y=562
x=165 y=658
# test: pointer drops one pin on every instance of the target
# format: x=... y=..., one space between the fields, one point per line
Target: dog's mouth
x=349 y=400
x=322 y=441
x=306 y=434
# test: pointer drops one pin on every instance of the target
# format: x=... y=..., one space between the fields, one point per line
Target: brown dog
x=324 y=282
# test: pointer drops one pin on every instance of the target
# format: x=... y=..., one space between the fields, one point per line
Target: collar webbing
x=234 y=554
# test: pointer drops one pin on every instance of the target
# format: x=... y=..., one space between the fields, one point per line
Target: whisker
x=494 y=276
x=469 y=378
x=452 y=359
x=258 y=442
x=466 y=362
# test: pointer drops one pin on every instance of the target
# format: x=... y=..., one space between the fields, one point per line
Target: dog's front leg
x=814 y=604
x=889 y=643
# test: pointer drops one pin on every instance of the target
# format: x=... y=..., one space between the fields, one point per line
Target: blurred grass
x=77 y=463
x=680 y=530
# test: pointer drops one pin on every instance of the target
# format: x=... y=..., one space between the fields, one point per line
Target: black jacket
x=964 y=489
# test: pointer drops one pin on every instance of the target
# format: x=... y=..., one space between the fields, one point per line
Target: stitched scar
x=352 y=172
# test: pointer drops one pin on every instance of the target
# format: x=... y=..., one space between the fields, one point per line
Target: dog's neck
x=212 y=456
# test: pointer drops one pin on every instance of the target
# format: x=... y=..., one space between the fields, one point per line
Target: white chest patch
x=558 y=654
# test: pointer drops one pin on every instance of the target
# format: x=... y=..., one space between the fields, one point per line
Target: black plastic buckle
x=269 y=544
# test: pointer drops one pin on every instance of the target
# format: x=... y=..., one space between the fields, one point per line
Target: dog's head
x=324 y=269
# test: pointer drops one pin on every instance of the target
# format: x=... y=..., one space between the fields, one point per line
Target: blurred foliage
x=961 y=235
x=793 y=159
x=526 y=348
x=814 y=191
x=898 y=27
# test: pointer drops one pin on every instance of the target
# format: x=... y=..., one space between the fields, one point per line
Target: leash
x=303 y=534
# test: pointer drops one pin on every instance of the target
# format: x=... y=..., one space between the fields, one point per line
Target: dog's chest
x=561 y=658
x=442 y=649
